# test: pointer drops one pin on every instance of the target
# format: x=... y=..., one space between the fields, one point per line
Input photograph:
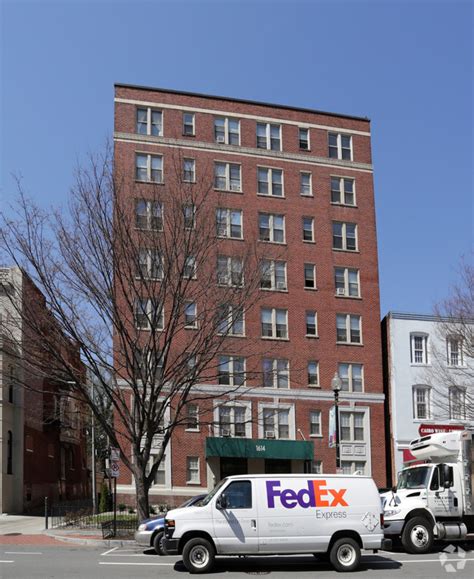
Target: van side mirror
x=221 y=502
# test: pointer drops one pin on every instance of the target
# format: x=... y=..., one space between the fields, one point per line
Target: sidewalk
x=21 y=524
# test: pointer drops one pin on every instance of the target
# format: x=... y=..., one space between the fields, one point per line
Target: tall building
x=428 y=380
x=42 y=439
x=299 y=181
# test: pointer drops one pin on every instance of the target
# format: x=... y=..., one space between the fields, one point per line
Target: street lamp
x=336 y=384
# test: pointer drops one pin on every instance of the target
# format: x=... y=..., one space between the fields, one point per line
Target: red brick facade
x=298 y=349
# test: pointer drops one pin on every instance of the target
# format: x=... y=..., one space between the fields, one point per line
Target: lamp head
x=336 y=383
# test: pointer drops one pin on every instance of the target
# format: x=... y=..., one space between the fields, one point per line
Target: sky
x=407 y=65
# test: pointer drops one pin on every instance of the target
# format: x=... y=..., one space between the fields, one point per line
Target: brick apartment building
x=42 y=440
x=300 y=181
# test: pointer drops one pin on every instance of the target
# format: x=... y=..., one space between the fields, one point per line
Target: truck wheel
x=158 y=543
x=345 y=555
x=417 y=535
x=198 y=555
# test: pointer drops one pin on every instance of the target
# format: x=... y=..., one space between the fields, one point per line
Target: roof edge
x=426 y=317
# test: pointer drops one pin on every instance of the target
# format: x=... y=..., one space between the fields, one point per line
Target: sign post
x=115 y=473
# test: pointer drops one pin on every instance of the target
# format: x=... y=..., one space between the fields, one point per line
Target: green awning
x=259 y=448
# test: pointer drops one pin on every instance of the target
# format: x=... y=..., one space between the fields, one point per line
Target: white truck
x=332 y=516
x=433 y=500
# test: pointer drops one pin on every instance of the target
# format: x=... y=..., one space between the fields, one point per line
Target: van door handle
x=253 y=523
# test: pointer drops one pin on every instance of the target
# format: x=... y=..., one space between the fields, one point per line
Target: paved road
x=66 y=561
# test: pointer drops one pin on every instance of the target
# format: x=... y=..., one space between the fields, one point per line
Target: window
x=150 y=264
x=421 y=403
x=308 y=229
x=346 y=281
x=352 y=426
x=189 y=271
x=149 y=168
x=276 y=423
x=10 y=452
x=419 y=348
x=317 y=467
x=188 y=124
x=352 y=467
x=348 y=329
x=457 y=403
x=227 y=176
x=274 y=323
x=230 y=271
x=271 y=227
x=192 y=470
x=190 y=315
x=273 y=275
x=313 y=373
x=192 y=418
x=344 y=236
x=455 y=351
x=189 y=170
x=309 y=276
x=342 y=191
x=231 y=320
x=268 y=136
x=229 y=223
x=315 y=423
x=351 y=376
x=303 y=137
x=11 y=383
x=239 y=495
x=29 y=443
x=149 y=122
x=311 y=323
x=189 y=216
x=148 y=215
x=306 y=187
x=340 y=146
x=148 y=314
x=160 y=474
x=231 y=370
x=232 y=421
x=270 y=182
x=227 y=131
x=276 y=373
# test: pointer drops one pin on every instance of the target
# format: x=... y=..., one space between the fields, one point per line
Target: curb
x=91 y=542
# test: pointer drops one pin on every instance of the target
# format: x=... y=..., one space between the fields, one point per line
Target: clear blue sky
x=407 y=65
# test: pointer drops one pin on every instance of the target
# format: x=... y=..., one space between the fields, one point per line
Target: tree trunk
x=143 y=505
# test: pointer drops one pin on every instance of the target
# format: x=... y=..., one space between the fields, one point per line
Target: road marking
x=22 y=553
x=125 y=563
x=388 y=560
x=7 y=561
x=109 y=551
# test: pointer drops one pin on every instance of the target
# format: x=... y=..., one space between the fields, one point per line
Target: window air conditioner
x=281 y=285
x=341 y=291
x=225 y=432
x=220 y=139
x=269 y=434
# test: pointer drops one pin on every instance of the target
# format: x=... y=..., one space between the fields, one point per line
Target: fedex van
x=333 y=515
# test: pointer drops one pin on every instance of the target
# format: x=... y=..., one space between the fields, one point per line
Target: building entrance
x=233 y=466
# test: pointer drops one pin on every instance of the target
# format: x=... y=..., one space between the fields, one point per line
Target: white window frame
x=311 y=315
x=352 y=427
x=149 y=170
x=246 y=405
x=277 y=372
x=189 y=472
x=268 y=142
x=427 y=391
x=273 y=312
x=270 y=171
x=149 y=111
x=148 y=311
x=306 y=129
x=149 y=215
x=190 y=262
x=310 y=384
x=153 y=260
x=317 y=467
x=228 y=213
x=192 y=208
x=271 y=228
x=460 y=392
x=228 y=280
x=348 y=325
x=189 y=416
x=310 y=267
x=194 y=324
x=424 y=351
x=192 y=125
x=352 y=466
x=339 y=148
x=350 y=376
x=310 y=184
x=455 y=353
x=277 y=408
x=228 y=183
x=313 y=413
x=342 y=191
x=229 y=318
x=344 y=236
x=345 y=291
x=272 y=266
x=227 y=131
x=189 y=175
x=304 y=229
x=232 y=361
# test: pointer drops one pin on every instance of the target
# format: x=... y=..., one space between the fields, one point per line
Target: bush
x=104 y=502
x=121 y=507
x=152 y=510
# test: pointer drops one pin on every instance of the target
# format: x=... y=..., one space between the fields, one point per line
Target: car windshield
x=414 y=478
x=208 y=499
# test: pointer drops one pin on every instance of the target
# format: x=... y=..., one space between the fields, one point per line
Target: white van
x=334 y=515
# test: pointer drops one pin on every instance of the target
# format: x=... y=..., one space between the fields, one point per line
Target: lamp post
x=336 y=384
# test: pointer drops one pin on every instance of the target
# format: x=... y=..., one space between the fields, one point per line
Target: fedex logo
x=315 y=495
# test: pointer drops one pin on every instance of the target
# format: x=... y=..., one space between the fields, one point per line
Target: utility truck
x=433 y=499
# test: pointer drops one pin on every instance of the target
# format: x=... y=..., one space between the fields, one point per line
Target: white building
x=428 y=380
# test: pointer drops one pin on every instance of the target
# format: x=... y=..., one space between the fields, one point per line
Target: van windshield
x=414 y=478
x=208 y=499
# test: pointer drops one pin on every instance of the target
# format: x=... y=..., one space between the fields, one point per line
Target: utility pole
x=94 y=490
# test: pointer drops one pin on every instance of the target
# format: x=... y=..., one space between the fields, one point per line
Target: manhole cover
x=12 y=534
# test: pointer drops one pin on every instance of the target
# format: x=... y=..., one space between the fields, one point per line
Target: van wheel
x=417 y=536
x=198 y=555
x=345 y=555
x=158 y=545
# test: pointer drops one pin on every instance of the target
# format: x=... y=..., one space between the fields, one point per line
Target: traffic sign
x=114 y=469
x=114 y=454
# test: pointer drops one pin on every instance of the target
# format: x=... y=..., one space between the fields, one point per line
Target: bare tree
x=128 y=272
x=451 y=372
